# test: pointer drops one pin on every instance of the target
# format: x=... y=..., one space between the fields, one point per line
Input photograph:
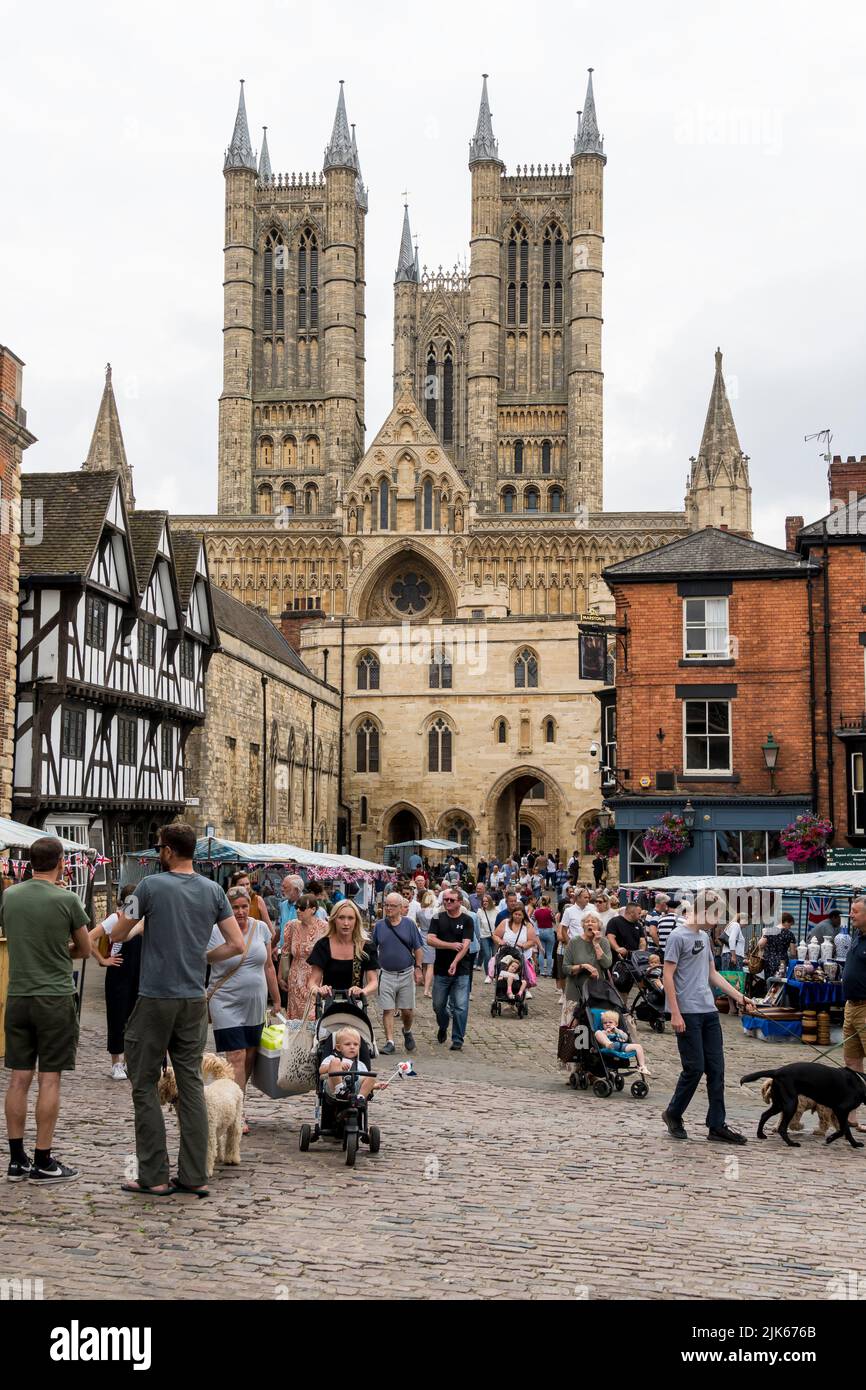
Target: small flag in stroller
x=405 y=1069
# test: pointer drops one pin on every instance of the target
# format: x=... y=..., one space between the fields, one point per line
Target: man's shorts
x=854 y=1029
x=397 y=989
x=41 y=1028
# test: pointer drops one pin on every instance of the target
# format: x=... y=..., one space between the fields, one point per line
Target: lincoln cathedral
x=472 y=518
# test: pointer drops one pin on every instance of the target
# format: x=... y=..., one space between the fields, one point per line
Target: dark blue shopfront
x=731 y=835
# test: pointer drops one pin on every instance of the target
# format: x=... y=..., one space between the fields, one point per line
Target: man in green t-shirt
x=46 y=929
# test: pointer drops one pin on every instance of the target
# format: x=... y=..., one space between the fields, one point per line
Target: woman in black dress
x=344 y=960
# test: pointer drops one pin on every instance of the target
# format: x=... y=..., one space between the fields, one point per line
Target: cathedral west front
x=437 y=573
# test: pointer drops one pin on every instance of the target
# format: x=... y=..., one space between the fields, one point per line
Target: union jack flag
x=820 y=909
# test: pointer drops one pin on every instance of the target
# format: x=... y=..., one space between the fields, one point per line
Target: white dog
x=225 y=1109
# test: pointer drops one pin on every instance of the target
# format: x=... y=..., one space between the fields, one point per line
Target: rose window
x=410 y=593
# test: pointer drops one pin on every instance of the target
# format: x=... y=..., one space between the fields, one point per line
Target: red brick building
x=14 y=439
x=713 y=656
x=837 y=542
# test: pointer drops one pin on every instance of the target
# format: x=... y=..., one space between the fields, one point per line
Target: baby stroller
x=501 y=995
x=602 y=1068
x=342 y=1118
x=650 y=1004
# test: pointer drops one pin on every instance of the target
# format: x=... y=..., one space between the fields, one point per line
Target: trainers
x=528 y=994
x=388 y=1049
x=456 y=1047
x=442 y=1034
x=17 y=1172
x=409 y=1042
x=676 y=1128
x=55 y=1172
x=726 y=1135
x=118 y=1072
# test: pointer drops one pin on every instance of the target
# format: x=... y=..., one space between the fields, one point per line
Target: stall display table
x=812 y=994
x=781 y=1029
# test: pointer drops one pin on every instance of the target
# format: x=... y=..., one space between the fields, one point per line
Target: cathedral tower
x=585 y=379
x=482 y=375
x=291 y=411
x=718 y=492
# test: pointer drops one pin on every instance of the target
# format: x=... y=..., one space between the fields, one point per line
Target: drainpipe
x=264 y=760
x=828 y=687
x=812 y=696
x=313 y=777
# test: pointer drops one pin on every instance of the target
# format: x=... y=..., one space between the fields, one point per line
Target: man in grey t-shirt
x=690 y=976
x=180 y=910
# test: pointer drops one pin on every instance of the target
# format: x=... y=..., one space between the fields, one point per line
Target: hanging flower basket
x=603 y=842
x=806 y=838
x=669 y=836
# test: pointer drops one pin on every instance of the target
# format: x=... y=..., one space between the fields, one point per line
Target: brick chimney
x=793 y=524
x=847 y=477
x=293 y=619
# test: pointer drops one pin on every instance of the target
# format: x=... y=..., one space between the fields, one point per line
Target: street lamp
x=770 y=750
x=689 y=816
x=604 y=818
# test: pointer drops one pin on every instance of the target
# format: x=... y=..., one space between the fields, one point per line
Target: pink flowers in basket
x=805 y=838
x=668 y=836
x=603 y=842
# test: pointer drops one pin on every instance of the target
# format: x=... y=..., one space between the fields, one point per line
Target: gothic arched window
x=518 y=455
x=441 y=672
x=384 y=505
x=556 y=498
x=368 y=672
x=545 y=456
x=427 y=505
x=549 y=731
x=439 y=747
x=448 y=395
x=311 y=499
x=508 y=495
x=431 y=388
x=530 y=499
x=266 y=452
x=287 y=499
x=501 y=731
x=266 y=500
x=362 y=819
x=367 y=747
x=526 y=670
x=308 y=279
x=273 y=281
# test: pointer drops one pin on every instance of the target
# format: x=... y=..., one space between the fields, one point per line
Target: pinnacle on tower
x=483 y=145
x=339 y=154
x=407 y=264
x=719 y=440
x=107 y=452
x=264 y=159
x=588 y=140
x=239 y=154
x=360 y=190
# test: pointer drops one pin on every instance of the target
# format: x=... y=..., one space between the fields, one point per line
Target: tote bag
x=298 y=1072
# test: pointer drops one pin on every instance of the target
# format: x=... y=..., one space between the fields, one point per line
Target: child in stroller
x=345 y=1048
x=644 y=971
x=509 y=972
x=603 y=1065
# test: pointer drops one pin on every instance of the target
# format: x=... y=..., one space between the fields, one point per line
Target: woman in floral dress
x=301 y=936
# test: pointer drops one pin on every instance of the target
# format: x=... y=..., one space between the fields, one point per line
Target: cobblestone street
x=495 y=1179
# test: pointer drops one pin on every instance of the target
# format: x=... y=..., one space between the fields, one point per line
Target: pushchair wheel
x=498 y=1010
x=658 y=1025
x=618 y=1082
x=639 y=1089
x=602 y=1089
x=304 y=1138
x=375 y=1139
x=351 y=1149
x=572 y=1080
x=493 y=1009
x=583 y=1081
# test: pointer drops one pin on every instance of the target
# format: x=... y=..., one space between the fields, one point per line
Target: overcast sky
x=735 y=207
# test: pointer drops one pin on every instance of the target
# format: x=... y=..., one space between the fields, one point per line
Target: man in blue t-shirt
x=179 y=909
x=401 y=952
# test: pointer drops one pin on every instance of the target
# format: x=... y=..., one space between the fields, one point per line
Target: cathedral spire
x=588 y=140
x=107 y=453
x=719 y=493
x=239 y=154
x=719 y=440
x=483 y=145
x=360 y=190
x=407 y=264
x=339 y=153
x=264 y=158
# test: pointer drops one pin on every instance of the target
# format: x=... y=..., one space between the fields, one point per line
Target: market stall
x=218 y=858
x=398 y=853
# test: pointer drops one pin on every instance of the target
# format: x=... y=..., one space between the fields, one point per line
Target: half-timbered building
x=113 y=653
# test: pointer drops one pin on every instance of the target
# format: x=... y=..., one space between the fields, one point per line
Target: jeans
x=547 y=937
x=451 y=998
x=179 y=1027
x=484 y=955
x=701 y=1053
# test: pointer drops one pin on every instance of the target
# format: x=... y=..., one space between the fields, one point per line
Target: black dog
x=841 y=1089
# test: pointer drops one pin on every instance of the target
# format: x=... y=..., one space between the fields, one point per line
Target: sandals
x=246 y=1126
x=139 y=1190
x=178 y=1186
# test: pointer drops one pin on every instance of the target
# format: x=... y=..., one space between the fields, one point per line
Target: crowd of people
x=180 y=952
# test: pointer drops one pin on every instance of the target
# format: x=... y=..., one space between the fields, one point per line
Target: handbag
x=298 y=1072
x=567 y=1045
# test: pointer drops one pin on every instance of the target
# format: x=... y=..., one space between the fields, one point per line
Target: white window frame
x=717 y=654
x=858 y=799
x=708 y=772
